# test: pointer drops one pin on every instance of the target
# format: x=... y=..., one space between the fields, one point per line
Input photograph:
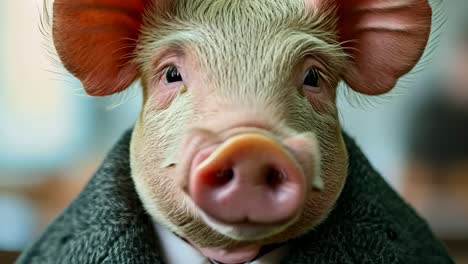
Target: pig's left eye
x=172 y=75
x=312 y=80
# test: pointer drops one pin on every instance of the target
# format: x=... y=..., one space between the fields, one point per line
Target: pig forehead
x=265 y=34
x=238 y=20
x=219 y=9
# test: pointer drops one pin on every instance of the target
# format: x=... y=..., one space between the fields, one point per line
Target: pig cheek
x=334 y=164
x=150 y=180
x=152 y=143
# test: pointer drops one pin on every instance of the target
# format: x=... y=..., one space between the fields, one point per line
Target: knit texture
x=107 y=224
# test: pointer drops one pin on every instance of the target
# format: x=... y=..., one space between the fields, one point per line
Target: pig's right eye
x=172 y=75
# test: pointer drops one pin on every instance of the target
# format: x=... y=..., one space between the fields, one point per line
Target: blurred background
x=53 y=137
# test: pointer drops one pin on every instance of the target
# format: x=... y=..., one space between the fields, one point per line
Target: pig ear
x=95 y=40
x=385 y=39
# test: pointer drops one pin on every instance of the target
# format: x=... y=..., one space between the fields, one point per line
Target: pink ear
x=95 y=40
x=386 y=38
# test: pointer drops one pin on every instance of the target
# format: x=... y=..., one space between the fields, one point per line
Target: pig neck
x=108 y=224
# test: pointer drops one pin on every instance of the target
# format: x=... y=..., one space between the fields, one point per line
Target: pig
x=238 y=145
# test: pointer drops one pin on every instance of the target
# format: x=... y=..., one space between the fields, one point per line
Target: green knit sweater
x=107 y=224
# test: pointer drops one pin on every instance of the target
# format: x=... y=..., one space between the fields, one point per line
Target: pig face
x=227 y=70
x=238 y=144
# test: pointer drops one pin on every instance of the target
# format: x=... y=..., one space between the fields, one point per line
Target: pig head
x=238 y=144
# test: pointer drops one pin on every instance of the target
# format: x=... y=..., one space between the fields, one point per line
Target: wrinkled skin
x=256 y=85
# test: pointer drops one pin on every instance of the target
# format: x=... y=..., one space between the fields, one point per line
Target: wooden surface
x=458 y=250
x=8 y=257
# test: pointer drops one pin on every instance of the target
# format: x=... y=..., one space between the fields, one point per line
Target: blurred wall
x=52 y=136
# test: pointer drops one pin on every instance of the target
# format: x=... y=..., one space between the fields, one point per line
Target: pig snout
x=250 y=178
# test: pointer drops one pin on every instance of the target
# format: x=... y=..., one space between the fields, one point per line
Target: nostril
x=222 y=177
x=274 y=177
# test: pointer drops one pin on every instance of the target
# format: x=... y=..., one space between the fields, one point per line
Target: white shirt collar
x=175 y=250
